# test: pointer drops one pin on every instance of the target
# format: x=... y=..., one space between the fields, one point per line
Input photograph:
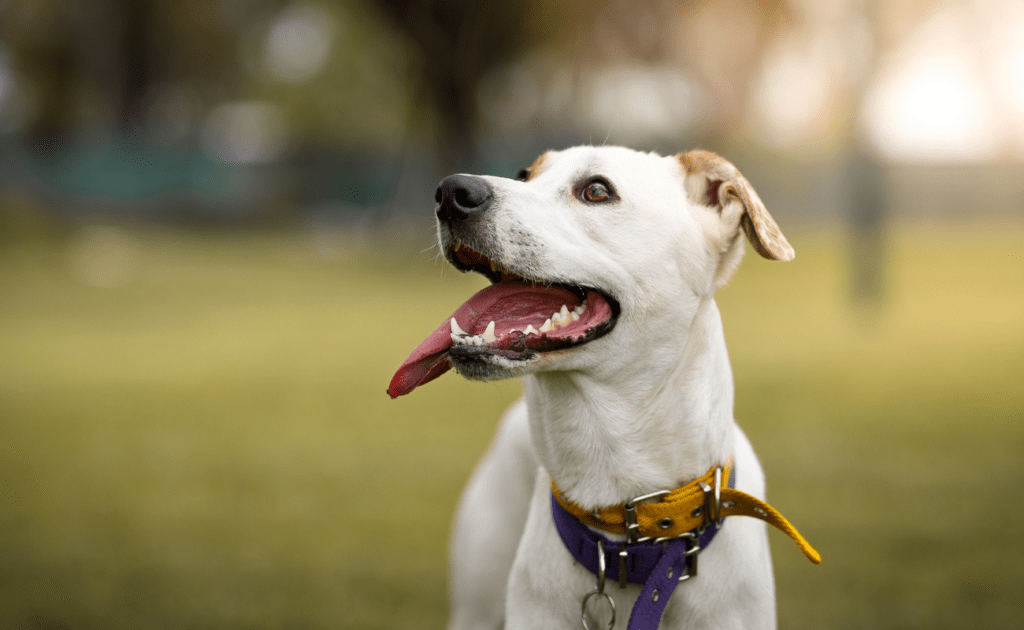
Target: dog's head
x=593 y=253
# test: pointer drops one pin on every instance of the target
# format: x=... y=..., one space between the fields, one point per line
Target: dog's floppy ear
x=713 y=181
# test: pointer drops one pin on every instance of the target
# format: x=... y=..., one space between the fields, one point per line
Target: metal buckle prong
x=623 y=553
x=718 y=496
x=712 y=501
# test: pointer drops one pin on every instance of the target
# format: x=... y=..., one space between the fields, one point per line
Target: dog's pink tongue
x=427 y=361
x=430 y=360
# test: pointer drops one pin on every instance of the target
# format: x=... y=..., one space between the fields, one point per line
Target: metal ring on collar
x=583 y=610
x=599 y=591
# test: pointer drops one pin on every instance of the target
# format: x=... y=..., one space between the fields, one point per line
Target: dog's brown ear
x=713 y=181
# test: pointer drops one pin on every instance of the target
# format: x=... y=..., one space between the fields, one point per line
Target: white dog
x=604 y=265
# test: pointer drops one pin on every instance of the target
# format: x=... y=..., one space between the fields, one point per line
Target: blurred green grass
x=210 y=444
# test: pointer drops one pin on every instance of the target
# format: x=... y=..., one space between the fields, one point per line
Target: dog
x=604 y=265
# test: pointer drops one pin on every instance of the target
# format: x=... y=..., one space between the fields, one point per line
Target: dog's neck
x=650 y=421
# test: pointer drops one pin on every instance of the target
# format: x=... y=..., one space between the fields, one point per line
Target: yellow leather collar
x=683 y=509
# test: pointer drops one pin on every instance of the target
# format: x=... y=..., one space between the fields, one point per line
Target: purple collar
x=659 y=565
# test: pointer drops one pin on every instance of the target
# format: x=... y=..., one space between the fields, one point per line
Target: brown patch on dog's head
x=535 y=169
x=713 y=181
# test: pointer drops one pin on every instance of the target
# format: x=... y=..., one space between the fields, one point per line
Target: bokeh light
x=299 y=43
x=245 y=131
x=930 y=101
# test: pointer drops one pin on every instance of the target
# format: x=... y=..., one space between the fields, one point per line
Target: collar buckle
x=632 y=528
x=692 y=549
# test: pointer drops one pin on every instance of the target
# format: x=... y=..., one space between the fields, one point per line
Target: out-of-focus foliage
x=250 y=94
x=361 y=95
x=118 y=62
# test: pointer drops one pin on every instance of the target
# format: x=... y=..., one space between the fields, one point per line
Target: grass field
x=208 y=443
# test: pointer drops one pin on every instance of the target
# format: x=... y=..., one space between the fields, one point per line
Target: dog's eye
x=523 y=174
x=596 y=192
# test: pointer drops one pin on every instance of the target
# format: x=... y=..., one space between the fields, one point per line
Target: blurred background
x=216 y=245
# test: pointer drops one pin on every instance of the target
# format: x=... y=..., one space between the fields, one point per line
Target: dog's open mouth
x=514 y=317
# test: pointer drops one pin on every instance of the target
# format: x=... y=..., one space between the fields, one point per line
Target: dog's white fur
x=649 y=406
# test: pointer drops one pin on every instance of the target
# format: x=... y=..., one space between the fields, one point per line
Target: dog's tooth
x=582 y=307
x=456 y=338
x=456 y=330
x=494 y=266
x=564 y=312
x=574 y=315
x=489 y=333
x=457 y=246
x=546 y=326
x=530 y=330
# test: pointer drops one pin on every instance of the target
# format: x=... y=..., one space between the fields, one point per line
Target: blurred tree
x=355 y=93
x=719 y=44
x=723 y=44
x=95 y=65
x=456 y=43
x=867 y=209
x=38 y=38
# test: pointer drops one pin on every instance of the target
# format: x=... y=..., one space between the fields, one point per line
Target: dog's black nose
x=460 y=196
